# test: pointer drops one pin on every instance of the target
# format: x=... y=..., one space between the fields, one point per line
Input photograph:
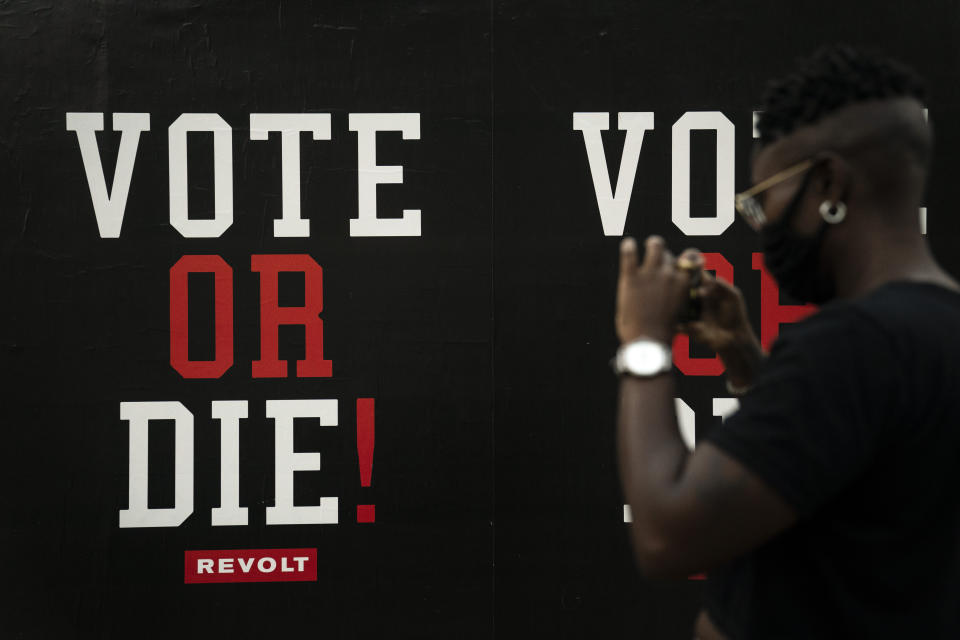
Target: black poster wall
x=443 y=463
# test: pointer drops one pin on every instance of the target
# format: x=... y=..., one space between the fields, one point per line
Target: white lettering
x=725 y=407
x=291 y=225
x=687 y=420
x=613 y=201
x=229 y=414
x=108 y=207
x=370 y=174
x=262 y=564
x=681 y=173
x=139 y=415
x=222 y=175
x=287 y=461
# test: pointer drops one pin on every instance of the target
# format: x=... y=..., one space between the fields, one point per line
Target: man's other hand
x=723 y=322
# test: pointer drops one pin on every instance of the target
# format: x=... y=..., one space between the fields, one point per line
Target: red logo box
x=249 y=565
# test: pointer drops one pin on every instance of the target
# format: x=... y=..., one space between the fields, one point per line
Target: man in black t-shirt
x=828 y=505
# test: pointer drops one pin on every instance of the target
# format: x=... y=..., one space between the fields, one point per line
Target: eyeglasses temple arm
x=775 y=178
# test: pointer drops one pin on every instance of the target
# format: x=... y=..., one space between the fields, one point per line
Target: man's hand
x=651 y=295
x=723 y=322
x=724 y=327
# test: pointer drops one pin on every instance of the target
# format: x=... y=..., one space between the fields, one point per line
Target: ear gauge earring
x=833 y=213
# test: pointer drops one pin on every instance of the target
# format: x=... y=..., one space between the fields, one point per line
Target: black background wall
x=484 y=341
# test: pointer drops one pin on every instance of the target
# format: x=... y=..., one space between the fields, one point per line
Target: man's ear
x=834 y=175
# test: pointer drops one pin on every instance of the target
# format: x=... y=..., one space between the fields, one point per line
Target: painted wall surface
x=308 y=306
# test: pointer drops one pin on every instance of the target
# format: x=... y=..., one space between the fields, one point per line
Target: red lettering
x=223 y=316
x=272 y=315
x=772 y=313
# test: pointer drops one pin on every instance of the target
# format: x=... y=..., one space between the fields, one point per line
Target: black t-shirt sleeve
x=820 y=409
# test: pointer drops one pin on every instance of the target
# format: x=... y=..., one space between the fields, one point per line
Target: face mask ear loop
x=793 y=207
x=833 y=213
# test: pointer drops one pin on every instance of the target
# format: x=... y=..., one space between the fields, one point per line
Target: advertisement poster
x=308 y=306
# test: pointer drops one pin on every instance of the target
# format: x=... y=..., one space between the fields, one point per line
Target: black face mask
x=793 y=260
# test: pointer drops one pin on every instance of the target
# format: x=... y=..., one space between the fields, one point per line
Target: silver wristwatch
x=643 y=358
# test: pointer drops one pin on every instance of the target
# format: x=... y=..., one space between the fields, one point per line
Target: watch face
x=644 y=358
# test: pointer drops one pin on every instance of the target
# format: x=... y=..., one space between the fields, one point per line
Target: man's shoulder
x=845 y=321
x=897 y=324
x=913 y=313
x=883 y=314
x=906 y=300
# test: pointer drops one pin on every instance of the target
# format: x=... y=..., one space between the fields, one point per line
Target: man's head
x=859 y=118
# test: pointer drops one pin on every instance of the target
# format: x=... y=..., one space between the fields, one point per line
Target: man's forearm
x=651 y=453
x=742 y=359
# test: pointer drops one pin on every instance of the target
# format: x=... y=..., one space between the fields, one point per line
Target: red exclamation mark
x=365 y=429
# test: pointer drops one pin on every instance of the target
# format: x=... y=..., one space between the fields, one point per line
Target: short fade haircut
x=833 y=77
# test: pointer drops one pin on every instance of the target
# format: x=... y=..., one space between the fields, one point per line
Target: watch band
x=735 y=390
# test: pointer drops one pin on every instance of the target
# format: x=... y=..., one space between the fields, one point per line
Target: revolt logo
x=250 y=565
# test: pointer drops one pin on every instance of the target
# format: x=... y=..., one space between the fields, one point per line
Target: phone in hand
x=694 y=305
